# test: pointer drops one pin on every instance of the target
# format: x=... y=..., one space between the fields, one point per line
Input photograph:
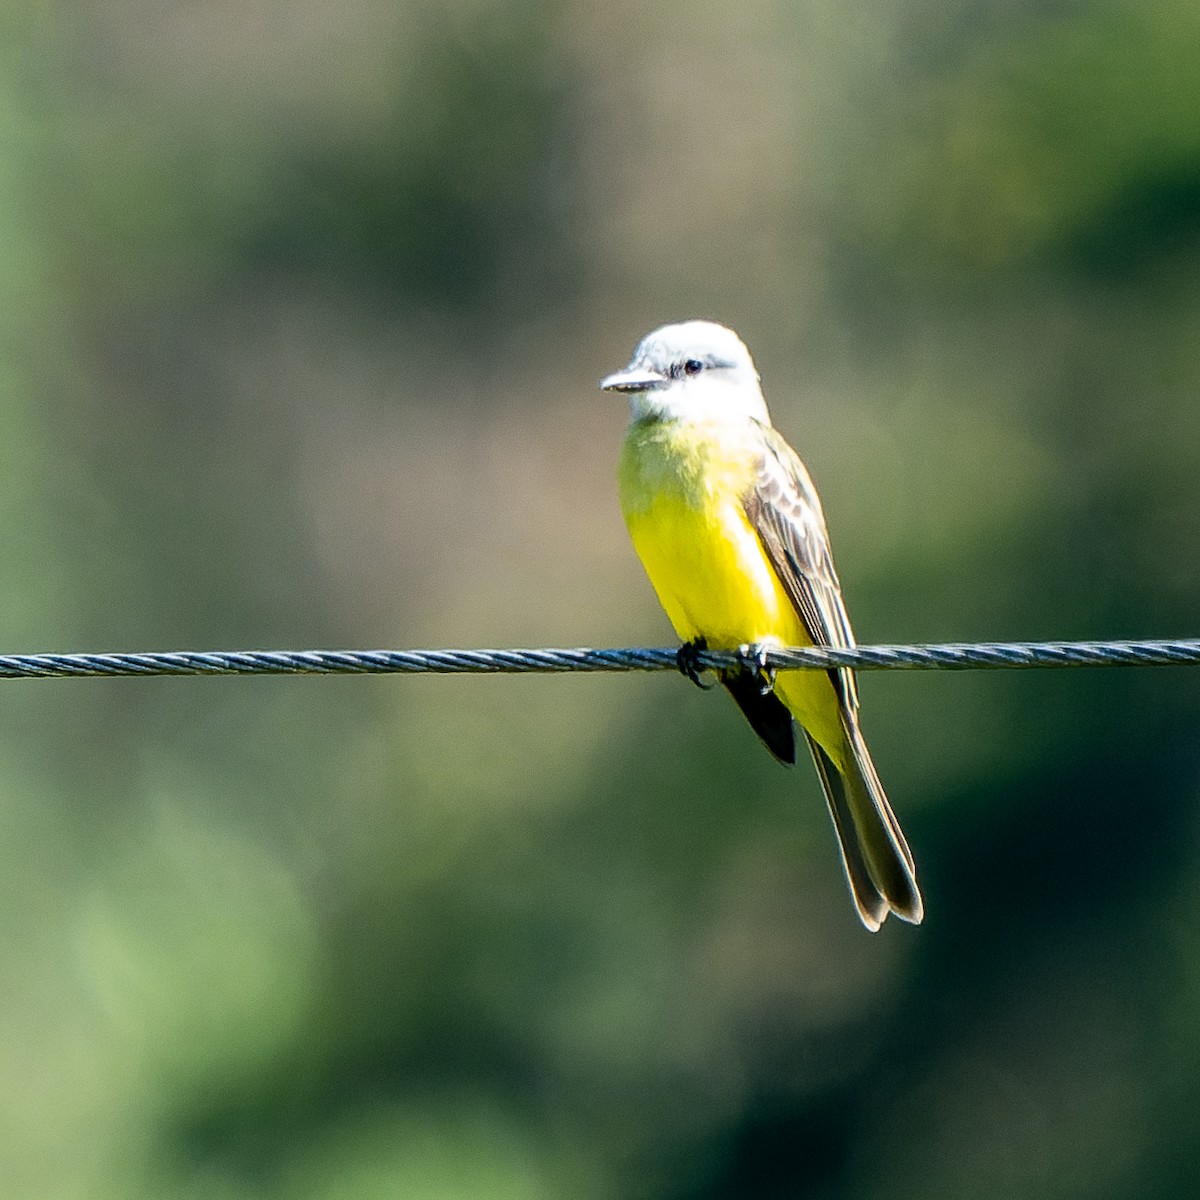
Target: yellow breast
x=681 y=487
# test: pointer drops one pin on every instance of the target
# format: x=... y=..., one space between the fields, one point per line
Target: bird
x=728 y=525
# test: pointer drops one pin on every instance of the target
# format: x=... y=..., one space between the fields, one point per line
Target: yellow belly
x=712 y=576
x=683 y=507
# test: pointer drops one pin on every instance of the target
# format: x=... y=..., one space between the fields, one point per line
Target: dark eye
x=693 y=366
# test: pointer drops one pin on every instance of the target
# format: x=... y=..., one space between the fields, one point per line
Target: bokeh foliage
x=303 y=306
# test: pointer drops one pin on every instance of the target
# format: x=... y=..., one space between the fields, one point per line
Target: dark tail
x=878 y=862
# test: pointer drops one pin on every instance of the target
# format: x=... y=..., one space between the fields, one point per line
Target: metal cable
x=953 y=656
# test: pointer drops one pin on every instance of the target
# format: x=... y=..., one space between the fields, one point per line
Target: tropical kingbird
x=729 y=528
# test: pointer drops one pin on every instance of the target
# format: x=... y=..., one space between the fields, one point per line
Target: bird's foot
x=752 y=658
x=687 y=659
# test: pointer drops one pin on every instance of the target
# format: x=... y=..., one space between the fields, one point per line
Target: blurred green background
x=302 y=309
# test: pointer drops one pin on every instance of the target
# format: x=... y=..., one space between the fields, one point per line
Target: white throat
x=707 y=398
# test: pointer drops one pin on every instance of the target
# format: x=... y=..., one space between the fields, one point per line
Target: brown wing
x=783 y=509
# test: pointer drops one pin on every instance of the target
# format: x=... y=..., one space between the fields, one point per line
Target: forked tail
x=878 y=862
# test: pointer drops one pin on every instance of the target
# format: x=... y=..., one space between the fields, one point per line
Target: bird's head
x=695 y=370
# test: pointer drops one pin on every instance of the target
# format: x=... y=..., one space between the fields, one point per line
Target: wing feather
x=783 y=508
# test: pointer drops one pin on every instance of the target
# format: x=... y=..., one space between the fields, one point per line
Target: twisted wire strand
x=949 y=656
